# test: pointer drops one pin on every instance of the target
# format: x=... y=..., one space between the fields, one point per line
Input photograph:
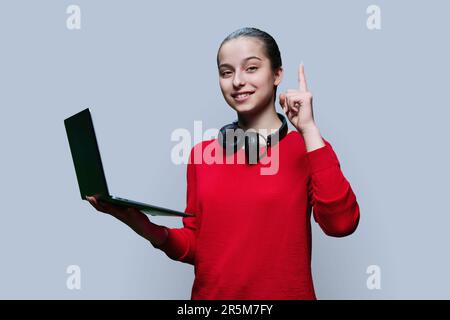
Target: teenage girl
x=250 y=236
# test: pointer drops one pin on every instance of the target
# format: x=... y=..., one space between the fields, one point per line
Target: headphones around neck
x=231 y=137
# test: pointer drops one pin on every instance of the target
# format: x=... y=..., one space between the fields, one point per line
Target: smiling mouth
x=242 y=96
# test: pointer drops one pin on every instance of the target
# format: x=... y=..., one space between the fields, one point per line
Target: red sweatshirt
x=250 y=237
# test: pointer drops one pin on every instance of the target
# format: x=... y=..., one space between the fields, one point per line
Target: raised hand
x=297 y=104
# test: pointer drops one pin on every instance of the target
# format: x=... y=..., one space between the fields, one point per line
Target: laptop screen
x=85 y=154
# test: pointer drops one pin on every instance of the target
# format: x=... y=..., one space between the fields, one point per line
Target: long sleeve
x=180 y=244
x=334 y=203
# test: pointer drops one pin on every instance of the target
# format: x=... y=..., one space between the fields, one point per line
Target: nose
x=238 y=79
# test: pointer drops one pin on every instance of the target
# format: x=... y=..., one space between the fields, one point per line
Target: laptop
x=89 y=169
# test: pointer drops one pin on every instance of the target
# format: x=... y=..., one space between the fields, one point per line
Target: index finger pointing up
x=301 y=78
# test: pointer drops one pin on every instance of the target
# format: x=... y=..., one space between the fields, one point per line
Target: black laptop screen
x=85 y=154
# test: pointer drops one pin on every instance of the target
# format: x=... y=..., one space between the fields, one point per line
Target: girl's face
x=244 y=67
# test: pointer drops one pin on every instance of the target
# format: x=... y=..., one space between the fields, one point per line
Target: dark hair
x=270 y=46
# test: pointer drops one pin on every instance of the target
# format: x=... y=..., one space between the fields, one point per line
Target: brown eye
x=252 y=68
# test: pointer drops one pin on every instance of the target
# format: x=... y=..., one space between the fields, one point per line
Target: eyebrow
x=248 y=58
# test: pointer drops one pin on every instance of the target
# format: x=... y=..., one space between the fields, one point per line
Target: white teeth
x=242 y=95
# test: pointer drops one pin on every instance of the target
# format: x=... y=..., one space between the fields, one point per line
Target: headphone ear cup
x=280 y=134
x=224 y=137
x=231 y=138
x=252 y=147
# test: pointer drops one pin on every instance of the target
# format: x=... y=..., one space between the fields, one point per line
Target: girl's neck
x=265 y=122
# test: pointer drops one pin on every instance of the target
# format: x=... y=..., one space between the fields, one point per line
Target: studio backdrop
x=379 y=74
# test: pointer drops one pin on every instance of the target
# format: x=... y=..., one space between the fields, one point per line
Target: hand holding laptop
x=119 y=212
x=133 y=217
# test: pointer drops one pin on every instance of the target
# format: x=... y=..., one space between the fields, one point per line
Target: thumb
x=283 y=101
x=282 y=98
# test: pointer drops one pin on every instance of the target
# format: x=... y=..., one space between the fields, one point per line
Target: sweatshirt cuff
x=322 y=158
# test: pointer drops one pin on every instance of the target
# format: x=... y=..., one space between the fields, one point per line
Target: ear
x=278 y=76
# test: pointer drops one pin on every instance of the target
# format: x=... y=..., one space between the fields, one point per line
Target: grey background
x=146 y=68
